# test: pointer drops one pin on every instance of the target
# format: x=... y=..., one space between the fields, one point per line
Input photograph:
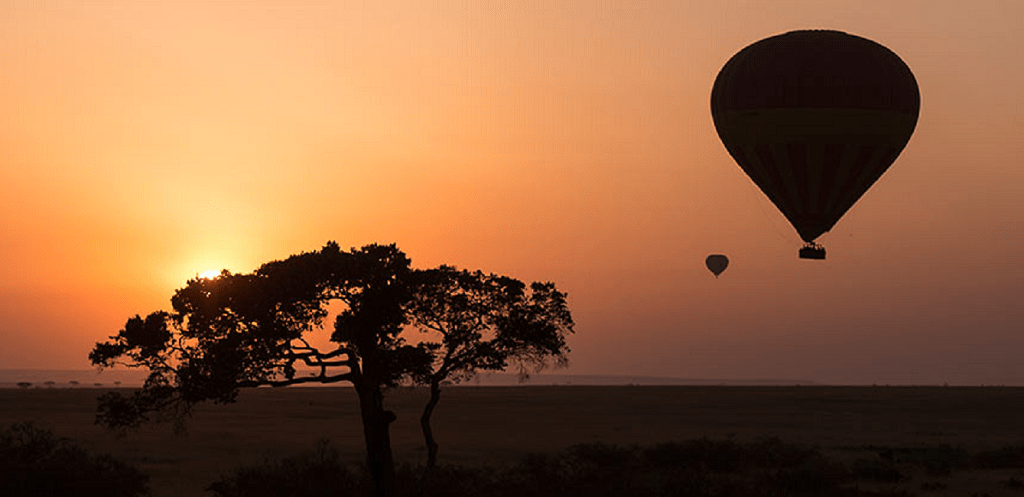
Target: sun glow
x=209 y=274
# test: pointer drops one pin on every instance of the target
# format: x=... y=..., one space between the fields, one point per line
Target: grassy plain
x=498 y=425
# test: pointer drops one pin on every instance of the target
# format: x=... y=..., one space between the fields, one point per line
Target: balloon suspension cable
x=812 y=250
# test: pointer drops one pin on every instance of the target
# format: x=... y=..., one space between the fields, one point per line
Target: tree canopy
x=485 y=321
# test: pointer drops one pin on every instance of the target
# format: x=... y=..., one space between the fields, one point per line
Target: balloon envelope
x=814 y=118
x=717 y=263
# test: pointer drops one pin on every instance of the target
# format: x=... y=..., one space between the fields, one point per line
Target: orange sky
x=144 y=142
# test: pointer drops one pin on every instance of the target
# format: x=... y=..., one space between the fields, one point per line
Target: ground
x=498 y=425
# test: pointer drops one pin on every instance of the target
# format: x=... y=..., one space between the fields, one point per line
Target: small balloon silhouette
x=717 y=263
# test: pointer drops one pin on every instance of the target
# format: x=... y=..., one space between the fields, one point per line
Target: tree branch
x=321 y=378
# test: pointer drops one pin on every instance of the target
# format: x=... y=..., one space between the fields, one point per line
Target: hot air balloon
x=717 y=263
x=815 y=118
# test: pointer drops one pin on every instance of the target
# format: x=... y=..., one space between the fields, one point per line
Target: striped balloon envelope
x=815 y=118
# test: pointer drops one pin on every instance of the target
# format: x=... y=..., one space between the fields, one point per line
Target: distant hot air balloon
x=717 y=263
x=814 y=118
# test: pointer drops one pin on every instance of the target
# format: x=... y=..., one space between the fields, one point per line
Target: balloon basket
x=814 y=251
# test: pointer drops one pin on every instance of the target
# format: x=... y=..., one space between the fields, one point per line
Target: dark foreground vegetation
x=34 y=462
x=702 y=467
x=924 y=441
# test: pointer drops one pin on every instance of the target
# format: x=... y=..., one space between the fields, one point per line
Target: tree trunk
x=428 y=434
x=376 y=431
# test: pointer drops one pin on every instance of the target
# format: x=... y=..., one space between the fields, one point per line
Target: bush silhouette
x=1010 y=456
x=765 y=468
x=33 y=462
x=876 y=470
x=319 y=472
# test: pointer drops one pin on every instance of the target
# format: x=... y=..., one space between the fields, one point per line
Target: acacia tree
x=482 y=322
x=249 y=330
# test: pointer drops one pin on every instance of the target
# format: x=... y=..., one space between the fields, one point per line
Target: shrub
x=875 y=469
x=319 y=472
x=33 y=462
x=450 y=481
x=933 y=486
x=697 y=468
x=1010 y=456
x=941 y=460
x=722 y=456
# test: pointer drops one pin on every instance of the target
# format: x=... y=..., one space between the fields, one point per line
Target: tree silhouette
x=249 y=330
x=483 y=322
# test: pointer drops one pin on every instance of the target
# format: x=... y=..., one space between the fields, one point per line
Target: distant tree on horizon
x=247 y=330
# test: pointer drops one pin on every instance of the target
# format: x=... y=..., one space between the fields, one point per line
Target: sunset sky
x=144 y=142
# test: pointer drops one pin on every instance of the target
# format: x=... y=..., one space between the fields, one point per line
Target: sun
x=209 y=274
